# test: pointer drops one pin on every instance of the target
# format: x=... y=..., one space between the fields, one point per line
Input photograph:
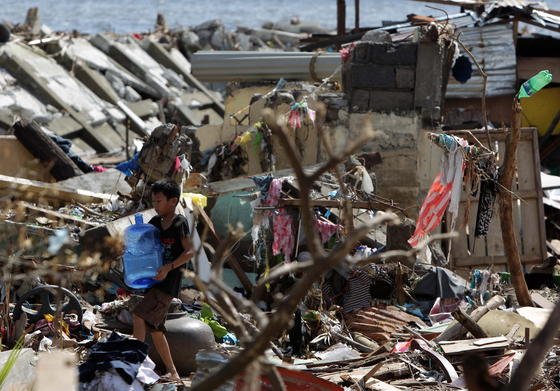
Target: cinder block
x=401 y=54
x=360 y=53
x=372 y=76
x=382 y=100
x=360 y=100
x=405 y=77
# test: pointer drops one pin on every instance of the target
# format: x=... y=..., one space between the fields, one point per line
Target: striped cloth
x=432 y=210
x=357 y=295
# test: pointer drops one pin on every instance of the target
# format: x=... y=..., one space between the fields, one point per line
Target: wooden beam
x=338 y=204
x=32 y=137
x=468 y=323
x=57 y=215
x=35 y=190
x=457 y=330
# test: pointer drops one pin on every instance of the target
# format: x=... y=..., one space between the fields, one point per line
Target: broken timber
x=35 y=190
x=339 y=204
x=47 y=151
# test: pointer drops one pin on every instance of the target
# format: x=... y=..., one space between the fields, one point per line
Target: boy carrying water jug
x=150 y=313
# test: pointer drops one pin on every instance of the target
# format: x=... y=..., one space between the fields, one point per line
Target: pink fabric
x=402 y=347
x=326 y=229
x=294 y=118
x=432 y=210
x=274 y=191
x=284 y=235
x=99 y=169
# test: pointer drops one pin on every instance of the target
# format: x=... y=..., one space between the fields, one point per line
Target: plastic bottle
x=535 y=84
x=143 y=254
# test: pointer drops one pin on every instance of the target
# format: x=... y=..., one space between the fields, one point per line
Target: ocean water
x=124 y=16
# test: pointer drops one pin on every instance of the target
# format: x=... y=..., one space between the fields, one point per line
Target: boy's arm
x=185 y=256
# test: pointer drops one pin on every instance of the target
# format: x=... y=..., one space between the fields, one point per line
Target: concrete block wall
x=381 y=77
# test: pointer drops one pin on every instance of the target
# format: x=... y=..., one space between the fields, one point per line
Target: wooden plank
x=18 y=162
x=57 y=215
x=488 y=341
x=531 y=226
x=462 y=347
x=541 y=301
x=337 y=203
x=495 y=135
x=526 y=166
x=491 y=260
x=33 y=190
x=494 y=242
x=538 y=187
x=46 y=150
x=528 y=214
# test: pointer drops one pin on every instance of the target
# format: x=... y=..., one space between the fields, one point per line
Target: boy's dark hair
x=169 y=188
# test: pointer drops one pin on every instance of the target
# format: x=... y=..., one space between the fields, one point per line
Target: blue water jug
x=143 y=254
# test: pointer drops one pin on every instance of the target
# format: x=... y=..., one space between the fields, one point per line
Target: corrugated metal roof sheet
x=493 y=47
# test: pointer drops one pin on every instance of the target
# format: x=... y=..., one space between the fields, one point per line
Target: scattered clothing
x=263 y=183
x=146 y=373
x=129 y=167
x=111 y=381
x=358 y=294
x=123 y=355
x=66 y=146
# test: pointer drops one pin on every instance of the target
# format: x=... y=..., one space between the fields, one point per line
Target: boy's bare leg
x=138 y=328
x=162 y=347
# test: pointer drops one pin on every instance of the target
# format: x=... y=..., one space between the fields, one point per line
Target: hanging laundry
x=284 y=234
x=326 y=229
x=295 y=116
x=124 y=355
x=487 y=197
x=445 y=190
x=274 y=192
x=244 y=138
x=263 y=183
x=185 y=164
x=298 y=112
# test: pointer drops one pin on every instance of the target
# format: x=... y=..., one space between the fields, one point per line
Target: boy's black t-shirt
x=173 y=247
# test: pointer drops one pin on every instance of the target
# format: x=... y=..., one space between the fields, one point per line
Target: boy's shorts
x=153 y=308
